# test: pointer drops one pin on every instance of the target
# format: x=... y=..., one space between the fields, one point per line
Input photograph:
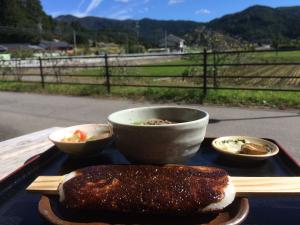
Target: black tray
x=20 y=207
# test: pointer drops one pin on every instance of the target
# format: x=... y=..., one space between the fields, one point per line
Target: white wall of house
x=181 y=44
x=5 y=56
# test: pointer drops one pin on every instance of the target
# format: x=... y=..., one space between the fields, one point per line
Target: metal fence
x=232 y=70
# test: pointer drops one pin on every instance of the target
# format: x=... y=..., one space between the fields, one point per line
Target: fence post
x=107 y=73
x=41 y=72
x=204 y=72
x=215 y=69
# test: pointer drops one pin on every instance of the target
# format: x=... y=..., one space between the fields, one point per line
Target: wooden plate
x=230 y=146
x=51 y=210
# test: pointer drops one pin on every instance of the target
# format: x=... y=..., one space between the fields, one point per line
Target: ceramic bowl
x=230 y=146
x=101 y=132
x=159 y=144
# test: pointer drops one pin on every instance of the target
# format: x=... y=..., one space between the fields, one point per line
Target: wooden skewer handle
x=266 y=186
x=45 y=184
x=244 y=186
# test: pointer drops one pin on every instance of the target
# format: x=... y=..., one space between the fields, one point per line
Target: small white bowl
x=82 y=148
x=159 y=144
x=230 y=146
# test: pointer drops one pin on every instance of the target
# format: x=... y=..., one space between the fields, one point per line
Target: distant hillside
x=148 y=30
x=261 y=23
x=254 y=24
x=23 y=21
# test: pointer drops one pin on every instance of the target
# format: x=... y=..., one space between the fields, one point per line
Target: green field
x=257 y=76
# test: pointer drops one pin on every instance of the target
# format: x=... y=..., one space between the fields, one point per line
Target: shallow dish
x=231 y=145
x=51 y=210
x=101 y=132
x=163 y=143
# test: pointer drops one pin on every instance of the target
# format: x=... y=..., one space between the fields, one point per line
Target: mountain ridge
x=26 y=21
x=256 y=23
x=261 y=23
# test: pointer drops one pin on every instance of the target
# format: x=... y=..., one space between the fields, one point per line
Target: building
x=19 y=46
x=4 y=56
x=173 y=43
x=263 y=47
x=59 y=47
x=56 y=45
x=3 y=49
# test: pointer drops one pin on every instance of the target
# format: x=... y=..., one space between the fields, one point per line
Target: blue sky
x=197 y=10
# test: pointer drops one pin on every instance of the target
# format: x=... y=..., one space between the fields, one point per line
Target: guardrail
x=210 y=68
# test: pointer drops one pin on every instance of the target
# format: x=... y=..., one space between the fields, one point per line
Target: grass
x=77 y=90
x=155 y=71
x=258 y=57
x=284 y=56
x=281 y=100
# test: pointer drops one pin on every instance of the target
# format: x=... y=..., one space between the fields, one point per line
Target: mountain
x=254 y=24
x=25 y=21
x=148 y=30
x=261 y=23
x=21 y=21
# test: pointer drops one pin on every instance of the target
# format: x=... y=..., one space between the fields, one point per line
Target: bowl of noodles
x=159 y=134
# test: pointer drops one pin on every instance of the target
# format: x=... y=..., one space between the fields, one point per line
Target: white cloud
x=91 y=6
x=202 y=11
x=129 y=10
x=173 y=2
x=116 y=11
x=122 y=14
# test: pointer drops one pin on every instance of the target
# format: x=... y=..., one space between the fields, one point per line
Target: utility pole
x=74 y=41
x=127 y=43
x=40 y=29
x=166 y=40
x=137 y=27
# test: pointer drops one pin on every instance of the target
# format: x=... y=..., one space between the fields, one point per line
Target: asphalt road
x=21 y=113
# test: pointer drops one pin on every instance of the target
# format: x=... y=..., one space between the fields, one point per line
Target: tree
x=23 y=21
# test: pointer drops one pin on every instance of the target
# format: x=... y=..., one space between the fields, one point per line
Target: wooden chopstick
x=244 y=186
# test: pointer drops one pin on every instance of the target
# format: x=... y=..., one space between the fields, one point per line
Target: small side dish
x=244 y=147
x=82 y=140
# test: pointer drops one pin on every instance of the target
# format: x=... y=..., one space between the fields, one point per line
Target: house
x=56 y=45
x=263 y=47
x=4 y=56
x=19 y=46
x=172 y=42
x=3 y=48
x=42 y=46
